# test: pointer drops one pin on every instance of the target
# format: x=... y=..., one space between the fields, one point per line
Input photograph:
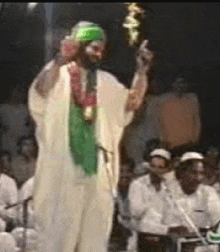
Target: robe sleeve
x=37 y=101
x=117 y=95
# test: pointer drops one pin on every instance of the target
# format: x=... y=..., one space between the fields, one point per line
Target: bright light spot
x=31 y=6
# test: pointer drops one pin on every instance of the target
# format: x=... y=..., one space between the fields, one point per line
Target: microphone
x=19 y=203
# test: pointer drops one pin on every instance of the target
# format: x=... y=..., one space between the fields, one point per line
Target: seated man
x=200 y=202
x=8 y=196
x=191 y=205
x=24 y=163
x=25 y=193
x=146 y=197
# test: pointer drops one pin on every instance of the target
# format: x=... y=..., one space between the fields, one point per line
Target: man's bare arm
x=140 y=80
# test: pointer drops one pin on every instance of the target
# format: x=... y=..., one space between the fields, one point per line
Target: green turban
x=89 y=32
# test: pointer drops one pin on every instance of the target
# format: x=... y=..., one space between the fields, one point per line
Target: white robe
x=56 y=195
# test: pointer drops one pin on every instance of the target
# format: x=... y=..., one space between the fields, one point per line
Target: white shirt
x=146 y=206
x=8 y=196
x=203 y=207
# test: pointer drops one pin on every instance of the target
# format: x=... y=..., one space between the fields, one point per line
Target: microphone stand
x=24 y=203
x=25 y=220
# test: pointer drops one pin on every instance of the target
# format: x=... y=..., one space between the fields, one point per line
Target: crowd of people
x=169 y=197
x=151 y=205
x=16 y=192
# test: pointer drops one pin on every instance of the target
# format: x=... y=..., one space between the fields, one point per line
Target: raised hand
x=144 y=57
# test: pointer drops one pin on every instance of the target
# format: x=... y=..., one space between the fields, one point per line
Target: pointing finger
x=144 y=44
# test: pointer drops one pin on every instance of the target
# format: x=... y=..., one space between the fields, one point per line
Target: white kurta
x=147 y=205
x=61 y=195
x=203 y=207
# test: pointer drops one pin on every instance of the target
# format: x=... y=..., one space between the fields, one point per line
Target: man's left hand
x=144 y=57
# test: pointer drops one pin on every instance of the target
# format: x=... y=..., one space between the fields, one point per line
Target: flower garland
x=86 y=100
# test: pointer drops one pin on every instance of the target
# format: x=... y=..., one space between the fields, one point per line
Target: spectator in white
x=7 y=243
x=146 y=195
x=24 y=164
x=200 y=202
x=25 y=193
x=8 y=196
x=142 y=168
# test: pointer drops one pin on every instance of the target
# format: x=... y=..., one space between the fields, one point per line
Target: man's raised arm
x=140 y=80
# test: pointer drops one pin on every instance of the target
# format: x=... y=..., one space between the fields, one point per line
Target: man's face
x=192 y=178
x=158 y=166
x=125 y=178
x=94 y=51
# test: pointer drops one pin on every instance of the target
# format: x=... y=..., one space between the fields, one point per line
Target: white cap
x=162 y=153
x=191 y=155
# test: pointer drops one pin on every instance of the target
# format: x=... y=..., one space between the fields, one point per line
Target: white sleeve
x=153 y=226
x=213 y=205
x=136 y=202
x=117 y=95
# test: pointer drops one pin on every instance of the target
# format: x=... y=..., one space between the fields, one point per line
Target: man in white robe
x=74 y=210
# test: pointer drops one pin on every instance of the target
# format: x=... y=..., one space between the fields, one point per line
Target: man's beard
x=87 y=63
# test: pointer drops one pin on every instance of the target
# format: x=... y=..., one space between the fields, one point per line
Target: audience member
x=146 y=198
x=178 y=114
x=123 y=217
x=5 y=156
x=211 y=163
x=143 y=167
x=24 y=164
x=7 y=243
x=8 y=196
x=25 y=193
x=187 y=194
